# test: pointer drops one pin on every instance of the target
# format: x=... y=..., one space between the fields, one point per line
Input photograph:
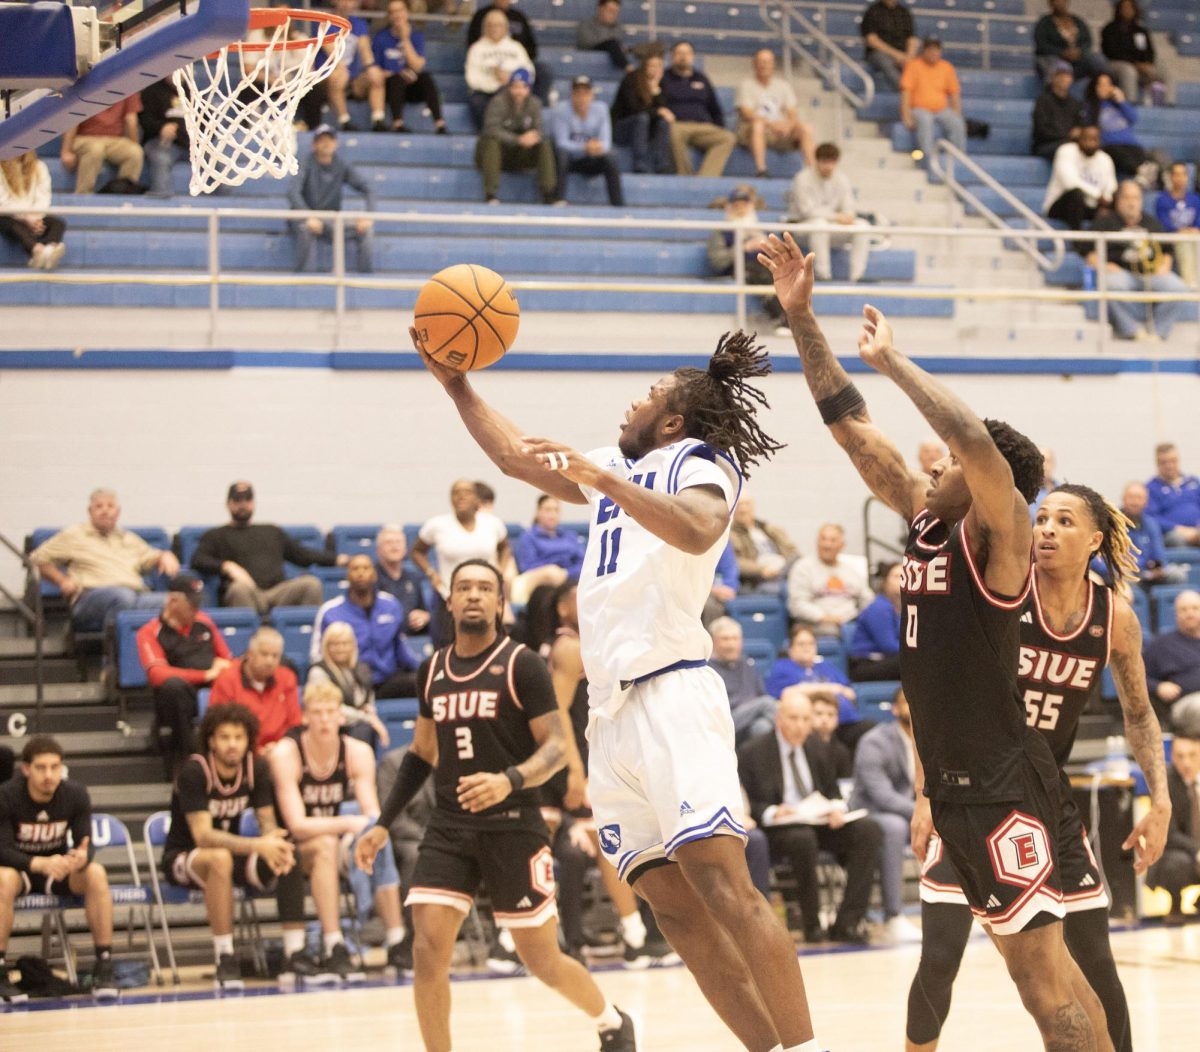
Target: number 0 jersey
x=1059 y=675
x=481 y=707
x=959 y=645
x=640 y=598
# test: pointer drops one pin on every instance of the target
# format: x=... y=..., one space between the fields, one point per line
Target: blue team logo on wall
x=610 y=839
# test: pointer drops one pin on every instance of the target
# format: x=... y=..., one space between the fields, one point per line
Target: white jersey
x=640 y=598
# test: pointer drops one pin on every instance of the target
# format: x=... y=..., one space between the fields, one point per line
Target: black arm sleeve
x=409 y=779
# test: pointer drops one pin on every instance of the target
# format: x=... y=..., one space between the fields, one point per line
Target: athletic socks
x=331 y=939
x=293 y=941
x=103 y=953
x=633 y=930
x=377 y=115
x=609 y=1019
x=505 y=939
x=394 y=936
x=222 y=945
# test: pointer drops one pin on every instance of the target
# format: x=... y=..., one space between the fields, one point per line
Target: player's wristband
x=845 y=403
x=515 y=778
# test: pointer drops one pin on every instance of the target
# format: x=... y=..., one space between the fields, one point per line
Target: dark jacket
x=761 y=770
x=692 y=98
x=628 y=102
x=319 y=186
x=1126 y=42
x=503 y=121
x=1047 y=40
x=1053 y=118
x=158 y=101
x=259 y=549
x=1179 y=832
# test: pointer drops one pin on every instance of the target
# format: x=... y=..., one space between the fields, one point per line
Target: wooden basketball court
x=858 y=999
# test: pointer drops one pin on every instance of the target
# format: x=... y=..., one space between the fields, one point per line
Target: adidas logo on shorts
x=1088 y=881
x=686 y=809
x=993 y=903
x=525 y=904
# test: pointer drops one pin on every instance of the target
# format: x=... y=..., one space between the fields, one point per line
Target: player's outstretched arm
x=1149 y=836
x=496 y=435
x=876 y=457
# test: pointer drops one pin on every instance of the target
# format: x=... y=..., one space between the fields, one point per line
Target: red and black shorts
x=514 y=864
x=250 y=872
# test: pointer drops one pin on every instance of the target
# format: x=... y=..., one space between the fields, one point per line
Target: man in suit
x=884 y=780
x=779 y=770
x=1180 y=863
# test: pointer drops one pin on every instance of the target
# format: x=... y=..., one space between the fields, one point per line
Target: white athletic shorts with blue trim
x=663 y=772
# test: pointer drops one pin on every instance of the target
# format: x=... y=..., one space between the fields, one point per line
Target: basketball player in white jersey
x=662 y=770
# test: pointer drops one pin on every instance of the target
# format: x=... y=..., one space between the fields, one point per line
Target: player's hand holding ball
x=466 y=317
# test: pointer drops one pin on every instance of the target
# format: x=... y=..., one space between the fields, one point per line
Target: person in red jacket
x=181 y=651
x=267 y=688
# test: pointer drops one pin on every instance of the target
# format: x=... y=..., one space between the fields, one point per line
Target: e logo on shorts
x=610 y=839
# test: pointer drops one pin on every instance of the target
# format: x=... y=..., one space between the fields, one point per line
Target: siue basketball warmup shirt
x=959 y=645
x=639 y=597
x=323 y=792
x=29 y=829
x=198 y=787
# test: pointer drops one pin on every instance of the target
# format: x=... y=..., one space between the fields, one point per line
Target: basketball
x=467 y=316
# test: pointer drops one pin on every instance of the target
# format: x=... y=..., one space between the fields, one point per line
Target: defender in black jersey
x=204 y=847
x=46 y=849
x=316 y=769
x=490 y=731
x=991 y=784
x=1072 y=626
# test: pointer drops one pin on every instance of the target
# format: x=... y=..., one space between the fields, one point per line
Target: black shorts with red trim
x=1081 y=880
x=40 y=884
x=1005 y=855
x=250 y=873
x=515 y=865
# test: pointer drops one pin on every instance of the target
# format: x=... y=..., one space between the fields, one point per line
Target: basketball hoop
x=240 y=102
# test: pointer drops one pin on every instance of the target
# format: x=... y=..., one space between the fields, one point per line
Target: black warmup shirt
x=28 y=829
x=259 y=549
x=199 y=788
x=893 y=25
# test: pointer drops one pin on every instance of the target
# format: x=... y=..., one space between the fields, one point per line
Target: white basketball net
x=240 y=105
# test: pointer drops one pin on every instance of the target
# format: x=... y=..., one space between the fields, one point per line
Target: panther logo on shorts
x=610 y=839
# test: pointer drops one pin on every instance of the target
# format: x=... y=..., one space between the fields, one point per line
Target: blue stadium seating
x=759 y=650
x=761 y=617
x=332 y=578
x=1162 y=599
x=874 y=700
x=295 y=624
x=236 y=625
x=355 y=540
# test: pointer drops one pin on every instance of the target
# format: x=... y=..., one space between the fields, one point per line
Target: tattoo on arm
x=551 y=752
x=822 y=370
x=879 y=463
x=1141 y=724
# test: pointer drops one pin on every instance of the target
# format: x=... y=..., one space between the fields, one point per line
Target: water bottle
x=1116 y=757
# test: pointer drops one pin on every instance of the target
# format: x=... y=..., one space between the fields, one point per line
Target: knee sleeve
x=944 y=928
x=1086 y=934
x=289 y=895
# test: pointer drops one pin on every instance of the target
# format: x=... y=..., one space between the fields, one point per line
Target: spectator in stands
x=102 y=565
x=486 y=495
x=725 y=586
x=377 y=619
x=514 y=140
x=521 y=30
x=769 y=115
x=493 y=56
x=1144 y=265
x=826 y=726
x=1180 y=862
x=41 y=813
x=164 y=134
x=111 y=136
x=640 y=116
x=249 y=558
x=741 y=208
x=1173 y=660
x=931 y=102
x=764 y=551
x=875 y=645
x=583 y=138
x=1174 y=499
x=1106 y=107
x=318 y=187
x=359 y=75
x=1058 y=116
x=25 y=187
x=181 y=651
x=822 y=196
x=464 y=533
x=338 y=662
x=399 y=579
x=699 y=120
x=604 y=32
x=780 y=770
x=546 y=554
x=1083 y=181
x=1062 y=35
x=828 y=589
x=311 y=814
x=205 y=849
x=753 y=709
x=399 y=51
x=259 y=681
x=1147 y=537
x=884 y=783
x=891 y=43
x=929 y=453
x=802 y=664
x=1178 y=209
x=1127 y=45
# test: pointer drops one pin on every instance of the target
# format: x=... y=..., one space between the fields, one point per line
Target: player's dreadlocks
x=718 y=405
x=1117 y=548
x=1025 y=459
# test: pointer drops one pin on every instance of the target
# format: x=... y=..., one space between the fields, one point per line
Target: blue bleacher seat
x=188 y=538
x=833 y=650
x=1141 y=608
x=1162 y=599
x=333 y=580
x=355 y=540
x=874 y=700
x=761 y=651
x=295 y=624
x=237 y=625
x=761 y=617
x=130 y=673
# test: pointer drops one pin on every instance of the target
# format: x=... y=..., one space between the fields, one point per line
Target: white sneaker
x=37 y=258
x=53 y=255
x=901 y=930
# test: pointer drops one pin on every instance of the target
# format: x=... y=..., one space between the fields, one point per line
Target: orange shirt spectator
x=930 y=85
x=268 y=689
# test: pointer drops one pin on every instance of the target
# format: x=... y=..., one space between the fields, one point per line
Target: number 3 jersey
x=639 y=597
x=959 y=645
x=481 y=708
x=1059 y=674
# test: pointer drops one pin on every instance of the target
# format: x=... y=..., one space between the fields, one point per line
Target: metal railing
x=34 y=619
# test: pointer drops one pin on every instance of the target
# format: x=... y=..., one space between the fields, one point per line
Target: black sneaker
x=346 y=125
x=339 y=961
x=229 y=974
x=504 y=962
x=623 y=1039
x=302 y=969
x=104 y=986
x=10 y=993
x=400 y=958
x=653 y=953
x=379 y=126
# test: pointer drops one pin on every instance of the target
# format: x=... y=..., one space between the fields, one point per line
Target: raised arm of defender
x=876 y=457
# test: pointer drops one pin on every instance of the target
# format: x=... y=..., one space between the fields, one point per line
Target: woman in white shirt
x=25 y=186
x=491 y=61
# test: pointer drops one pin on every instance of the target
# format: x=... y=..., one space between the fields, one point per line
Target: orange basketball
x=467 y=316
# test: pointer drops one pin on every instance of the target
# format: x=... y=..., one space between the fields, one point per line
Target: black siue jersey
x=959 y=645
x=1059 y=675
x=323 y=791
x=29 y=828
x=198 y=787
x=482 y=707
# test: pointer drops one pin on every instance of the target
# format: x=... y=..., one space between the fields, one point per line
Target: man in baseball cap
x=583 y=136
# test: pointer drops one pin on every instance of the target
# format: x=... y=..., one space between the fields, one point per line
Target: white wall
x=330 y=447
